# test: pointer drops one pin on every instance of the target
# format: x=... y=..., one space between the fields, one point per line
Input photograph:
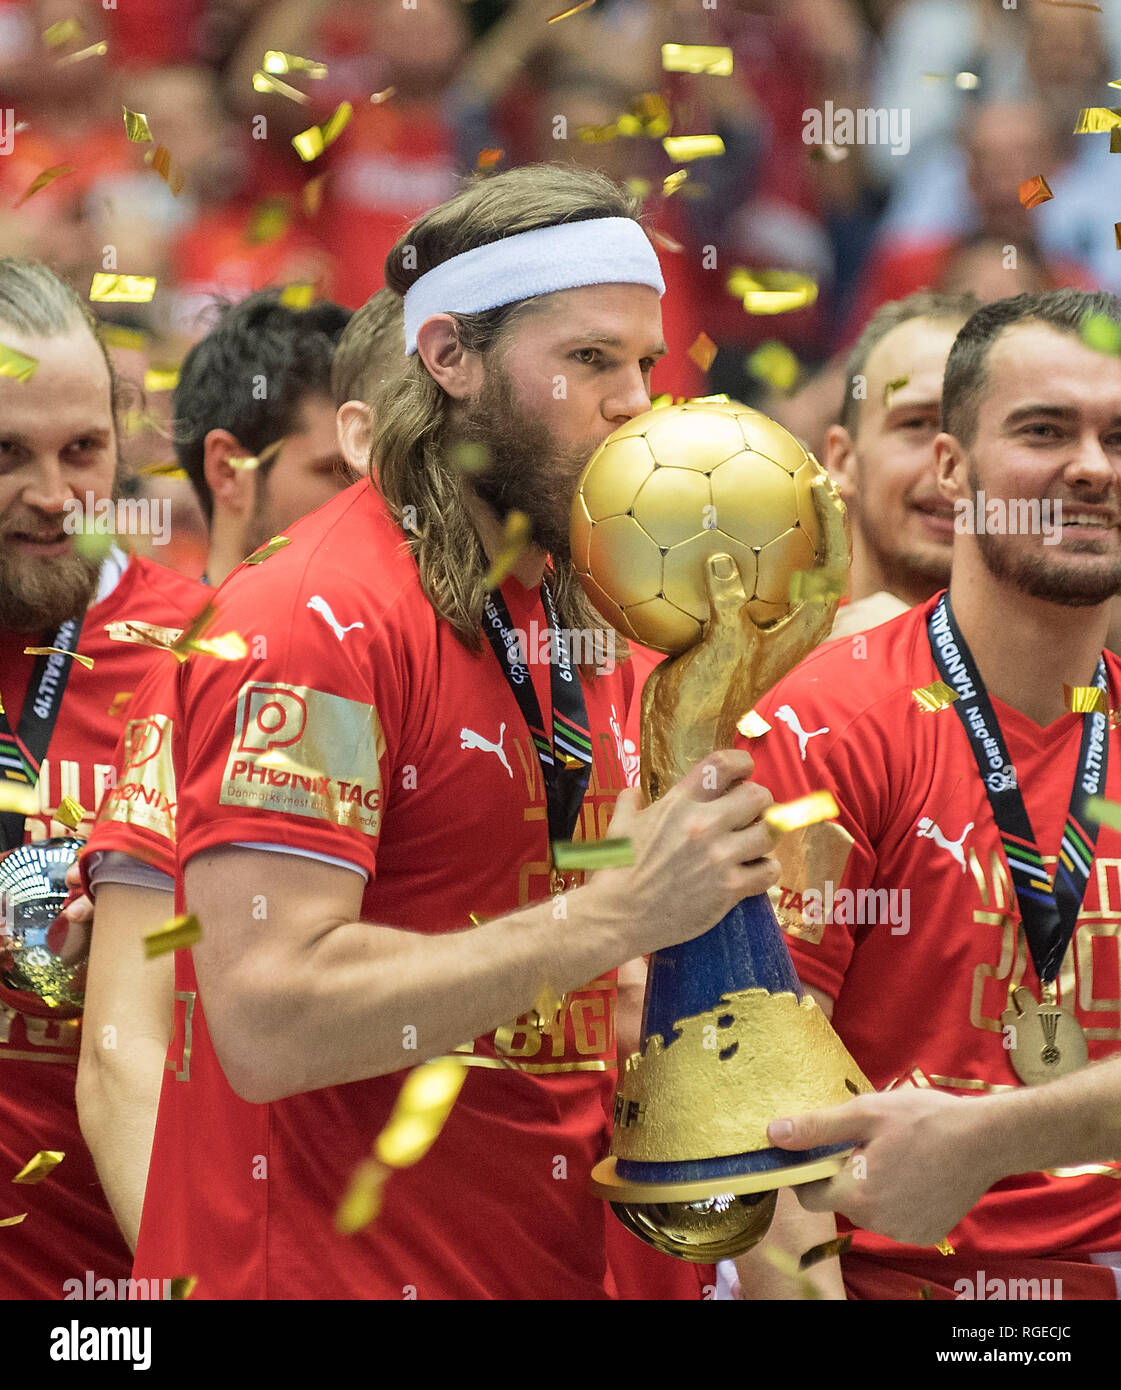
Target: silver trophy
x=42 y=957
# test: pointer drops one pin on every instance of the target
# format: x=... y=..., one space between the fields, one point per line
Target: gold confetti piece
x=893 y=386
x=817 y=586
x=1101 y=333
x=243 y=463
x=515 y=539
x=41 y=1166
x=660 y=402
x=805 y=810
x=423 y=1105
x=684 y=148
x=24 y=801
x=48 y=176
x=14 y=1220
x=667 y=242
x=637 y=188
x=277 y=61
x=86 y=661
x=752 y=725
x=702 y=351
x=1 y=705
x=15 y=364
x=628 y=125
x=575 y=9
x=70 y=813
x=1034 y=191
x=62 y=32
x=130 y=339
x=469 y=457
x=230 y=646
x=477 y=920
x=267 y=222
x=931 y=698
x=926 y=1292
x=1117 y=227
x=1085 y=699
x=597 y=134
x=721 y=398
x=571 y=764
x=267 y=551
x=548 y=1006
x=122 y=289
x=298 y=296
x=175 y=935
x=1093 y=120
x=183 y=1286
x=172 y=175
x=839 y=1245
x=120 y=700
x=488 y=158
x=262 y=82
x=95 y=50
x=136 y=126
x=311 y=143
x=788 y=1265
x=361 y=1202
x=828 y=153
x=673 y=181
x=311 y=195
x=162 y=470
x=1074 y=5
x=161 y=378
x=94 y=545
x=1085 y=1170
x=944 y=1247
x=143 y=634
x=967 y=81
x=1100 y=810
x=592 y=854
x=773 y=291
x=775 y=364
x=378 y=97
x=712 y=59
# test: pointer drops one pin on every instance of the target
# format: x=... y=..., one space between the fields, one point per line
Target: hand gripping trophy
x=689 y=525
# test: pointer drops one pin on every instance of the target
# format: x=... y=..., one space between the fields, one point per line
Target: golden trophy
x=729 y=1040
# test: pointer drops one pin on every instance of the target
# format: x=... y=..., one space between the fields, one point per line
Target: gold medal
x=1043 y=1040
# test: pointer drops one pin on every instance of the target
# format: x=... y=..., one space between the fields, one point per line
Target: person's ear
x=355 y=426
x=448 y=362
x=840 y=462
x=951 y=467
x=232 y=489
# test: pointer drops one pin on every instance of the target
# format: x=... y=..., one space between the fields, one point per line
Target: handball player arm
x=125 y=1033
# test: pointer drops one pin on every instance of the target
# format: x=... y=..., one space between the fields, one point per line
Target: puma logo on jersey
x=319 y=605
x=929 y=831
x=789 y=718
x=468 y=738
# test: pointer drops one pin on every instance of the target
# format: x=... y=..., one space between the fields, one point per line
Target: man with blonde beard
x=383 y=776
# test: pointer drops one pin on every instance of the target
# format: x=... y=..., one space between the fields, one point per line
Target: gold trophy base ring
x=606 y=1184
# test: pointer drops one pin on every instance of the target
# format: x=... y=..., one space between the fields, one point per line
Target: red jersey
x=428 y=780
x=921 y=973
x=69 y=1228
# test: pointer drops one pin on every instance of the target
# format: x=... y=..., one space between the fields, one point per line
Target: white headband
x=599 y=251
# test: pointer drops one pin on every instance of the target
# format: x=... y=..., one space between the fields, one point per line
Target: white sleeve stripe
x=303 y=854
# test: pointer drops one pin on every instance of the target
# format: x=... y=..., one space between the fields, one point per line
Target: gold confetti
x=926 y=1292
x=1034 y=191
x=162 y=470
x=892 y=386
x=469 y=457
x=721 y=398
x=41 y=1166
x=230 y=646
x=94 y=545
x=571 y=764
x=16 y=364
x=122 y=289
x=488 y=158
x=23 y=800
x=772 y=291
x=1085 y=699
x=828 y=153
x=378 y=97
x=702 y=351
x=267 y=222
x=1101 y=333
x=597 y=134
x=136 y=126
x=298 y=296
x=477 y=919
x=817 y=586
x=660 y=402
x=175 y=935
x=673 y=181
x=276 y=61
x=86 y=661
x=667 y=242
x=931 y=698
x=172 y=175
x=788 y=1265
x=130 y=339
x=575 y=9
x=262 y=82
x=684 y=148
x=243 y=463
x=48 y=176
x=713 y=59
x=1 y=705
x=592 y=854
x=95 y=50
x=361 y=1202
x=422 y=1107
x=775 y=364
x=839 y=1245
x=311 y=195
x=268 y=550
x=515 y=538
x=62 y=32
x=311 y=143
x=1117 y=233
x=70 y=813
x=120 y=700
x=805 y=810
x=967 y=81
x=1093 y=120
x=944 y=1247
x=14 y=1220
x=637 y=188
x=161 y=378
x=752 y=725
x=1074 y=5
x=143 y=634
x=183 y=1286
x=548 y=1006
x=1100 y=810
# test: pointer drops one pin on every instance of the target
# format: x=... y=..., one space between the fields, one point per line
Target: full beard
x=528 y=469
x=38 y=595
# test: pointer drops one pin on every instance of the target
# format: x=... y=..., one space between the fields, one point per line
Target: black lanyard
x=22 y=751
x=1048 y=911
x=566 y=759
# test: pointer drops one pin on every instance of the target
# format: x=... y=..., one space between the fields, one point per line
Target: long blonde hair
x=410 y=411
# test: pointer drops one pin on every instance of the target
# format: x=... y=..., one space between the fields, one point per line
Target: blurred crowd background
x=992 y=91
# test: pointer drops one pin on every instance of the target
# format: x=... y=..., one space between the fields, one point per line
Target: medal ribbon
x=564 y=785
x=23 y=749
x=1048 y=910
